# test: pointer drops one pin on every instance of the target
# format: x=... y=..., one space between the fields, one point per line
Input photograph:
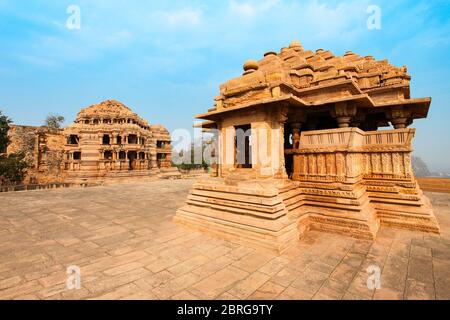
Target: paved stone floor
x=126 y=246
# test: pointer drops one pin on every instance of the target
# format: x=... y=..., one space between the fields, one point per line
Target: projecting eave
x=290 y=98
x=362 y=100
x=206 y=125
x=419 y=106
x=417 y=101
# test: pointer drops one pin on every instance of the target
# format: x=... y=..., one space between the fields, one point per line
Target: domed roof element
x=107 y=109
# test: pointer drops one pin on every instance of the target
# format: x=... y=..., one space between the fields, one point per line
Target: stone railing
x=350 y=154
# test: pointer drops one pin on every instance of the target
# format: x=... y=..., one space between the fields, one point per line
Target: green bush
x=12 y=168
x=192 y=165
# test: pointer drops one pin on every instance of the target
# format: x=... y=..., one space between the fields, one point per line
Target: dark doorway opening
x=288 y=158
x=73 y=139
x=132 y=139
x=242 y=146
x=132 y=155
x=106 y=139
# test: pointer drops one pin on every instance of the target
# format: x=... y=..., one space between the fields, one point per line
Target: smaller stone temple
x=299 y=147
x=106 y=142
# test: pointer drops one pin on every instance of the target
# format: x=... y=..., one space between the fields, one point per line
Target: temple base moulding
x=274 y=214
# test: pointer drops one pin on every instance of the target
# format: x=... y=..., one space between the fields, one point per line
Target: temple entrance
x=242 y=146
x=132 y=156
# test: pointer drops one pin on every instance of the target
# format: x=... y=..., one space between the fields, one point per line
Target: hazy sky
x=167 y=59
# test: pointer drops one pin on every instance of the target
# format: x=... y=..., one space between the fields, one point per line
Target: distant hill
x=419 y=167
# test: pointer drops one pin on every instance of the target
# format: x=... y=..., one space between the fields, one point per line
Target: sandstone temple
x=309 y=140
x=106 y=142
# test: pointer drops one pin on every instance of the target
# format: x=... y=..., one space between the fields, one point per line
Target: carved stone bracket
x=399 y=117
x=343 y=112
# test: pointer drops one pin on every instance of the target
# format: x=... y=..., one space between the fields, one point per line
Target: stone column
x=282 y=118
x=343 y=112
x=296 y=127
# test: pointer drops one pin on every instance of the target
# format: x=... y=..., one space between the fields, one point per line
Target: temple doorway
x=242 y=146
x=132 y=155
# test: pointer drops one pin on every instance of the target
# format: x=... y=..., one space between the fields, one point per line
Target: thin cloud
x=183 y=17
x=251 y=9
x=179 y=18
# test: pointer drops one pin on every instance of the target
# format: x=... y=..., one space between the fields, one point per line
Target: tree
x=4 y=127
x=54 y=121
x=12 y=166
x=188 y=157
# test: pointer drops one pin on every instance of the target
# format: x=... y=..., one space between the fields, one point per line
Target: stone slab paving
x=127 y=247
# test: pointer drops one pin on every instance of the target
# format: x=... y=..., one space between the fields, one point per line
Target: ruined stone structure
x=43 y=149
x=106 y=142
x=298 y=148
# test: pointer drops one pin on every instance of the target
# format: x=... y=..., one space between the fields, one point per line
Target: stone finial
x=295 y=44
x=250 y=66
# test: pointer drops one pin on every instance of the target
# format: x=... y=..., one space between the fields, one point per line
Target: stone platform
x=124 y=241
x=345 y=181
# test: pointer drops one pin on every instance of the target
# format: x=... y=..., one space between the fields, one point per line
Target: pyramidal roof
x=319 y=78
x=321 y=66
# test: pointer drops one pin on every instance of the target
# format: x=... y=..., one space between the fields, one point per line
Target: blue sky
x=167 y=59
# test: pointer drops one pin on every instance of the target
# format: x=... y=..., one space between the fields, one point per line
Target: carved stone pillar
x=282 y=117
x=296 y=122
x=343 y=112
x=296 y=127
